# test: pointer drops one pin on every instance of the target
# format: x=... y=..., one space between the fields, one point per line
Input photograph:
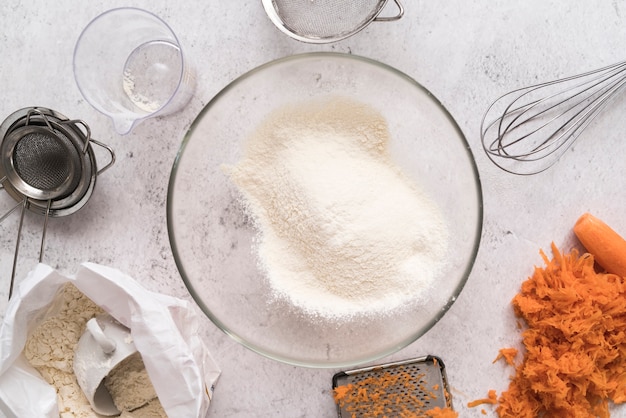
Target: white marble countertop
x=465 y=52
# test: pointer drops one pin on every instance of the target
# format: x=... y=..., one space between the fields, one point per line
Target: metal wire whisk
x=527 y=130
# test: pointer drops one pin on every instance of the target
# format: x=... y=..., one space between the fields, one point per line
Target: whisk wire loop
x=535 y=125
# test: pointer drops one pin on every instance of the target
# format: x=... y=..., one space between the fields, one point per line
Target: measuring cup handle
x=107 y=344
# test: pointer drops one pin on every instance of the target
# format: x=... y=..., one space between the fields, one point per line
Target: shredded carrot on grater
x=390 y=394
x=575 y=341
x=441 y=413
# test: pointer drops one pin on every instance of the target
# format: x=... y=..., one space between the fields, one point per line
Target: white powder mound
x=50 y=349
x=129 y=384
x=342 y=230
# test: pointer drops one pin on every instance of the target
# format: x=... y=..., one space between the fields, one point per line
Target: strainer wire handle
x=3 y=217
x=110 y=150
x=40 y=113
x=89 y=139
x=45 y=228
x=23 y=204
x=75 y=122
x=392 y=18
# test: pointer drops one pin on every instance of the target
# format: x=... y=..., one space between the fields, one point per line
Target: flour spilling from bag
x=173 y=373
x=50 y=349
x=341 y=229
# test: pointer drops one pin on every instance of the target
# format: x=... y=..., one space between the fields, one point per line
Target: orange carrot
x=438 y=412
x=575 y=342
x=606 y=245
x=340 y=392
x=508 y=354
x=490 y=399
x=390 y=394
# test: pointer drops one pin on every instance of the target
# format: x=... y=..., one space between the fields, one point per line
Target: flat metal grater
x=405 y=388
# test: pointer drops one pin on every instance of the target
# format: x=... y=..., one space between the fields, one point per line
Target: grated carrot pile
x=575 y=341
x=389 y=395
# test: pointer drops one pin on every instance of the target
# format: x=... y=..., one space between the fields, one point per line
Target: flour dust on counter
x=342 y=230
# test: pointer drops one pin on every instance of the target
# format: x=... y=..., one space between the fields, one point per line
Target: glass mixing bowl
x=213 y=240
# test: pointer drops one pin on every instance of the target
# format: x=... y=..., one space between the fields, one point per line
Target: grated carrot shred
x=378 y=396
x=508 y=354
x=492 y=398
x=575 y=341
x=441 y=413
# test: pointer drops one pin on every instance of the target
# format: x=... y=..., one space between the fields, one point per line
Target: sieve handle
x=110 y=150
x=392 y=18
x=89 y=139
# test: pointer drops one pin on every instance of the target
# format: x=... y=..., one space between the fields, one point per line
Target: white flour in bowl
x=342 y=230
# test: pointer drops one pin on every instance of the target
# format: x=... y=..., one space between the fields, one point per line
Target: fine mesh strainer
x=325 y=21
x=406 y=388
x=47 y=166
x=39 y=164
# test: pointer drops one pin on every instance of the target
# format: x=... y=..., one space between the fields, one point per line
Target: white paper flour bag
x=164 y=330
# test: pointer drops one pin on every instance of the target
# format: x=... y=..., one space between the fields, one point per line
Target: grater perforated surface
x=400 y=389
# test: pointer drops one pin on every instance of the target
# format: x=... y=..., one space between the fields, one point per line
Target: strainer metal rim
x=86 y=184
x=9 y=169
x=78 y=197
x=270 y=10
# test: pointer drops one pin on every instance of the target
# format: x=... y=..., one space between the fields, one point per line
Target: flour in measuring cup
x=342 y=230
x=139 y=100
x=129 y=384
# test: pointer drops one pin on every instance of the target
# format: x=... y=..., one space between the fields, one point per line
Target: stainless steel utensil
x=394 y=389
x=47 y=166
x=527 y=130
x=325 y=21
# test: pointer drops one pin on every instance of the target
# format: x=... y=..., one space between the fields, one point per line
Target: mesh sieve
x=323 y=21
x=47 y=162
x=421 y=386
x=47 y=166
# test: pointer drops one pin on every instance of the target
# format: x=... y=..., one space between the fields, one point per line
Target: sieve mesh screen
x=43 y=161
x=326 y=19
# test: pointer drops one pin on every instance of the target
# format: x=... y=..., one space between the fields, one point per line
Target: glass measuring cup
x=129 y=65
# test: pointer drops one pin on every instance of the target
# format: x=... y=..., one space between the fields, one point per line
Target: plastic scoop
x=104 y=345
